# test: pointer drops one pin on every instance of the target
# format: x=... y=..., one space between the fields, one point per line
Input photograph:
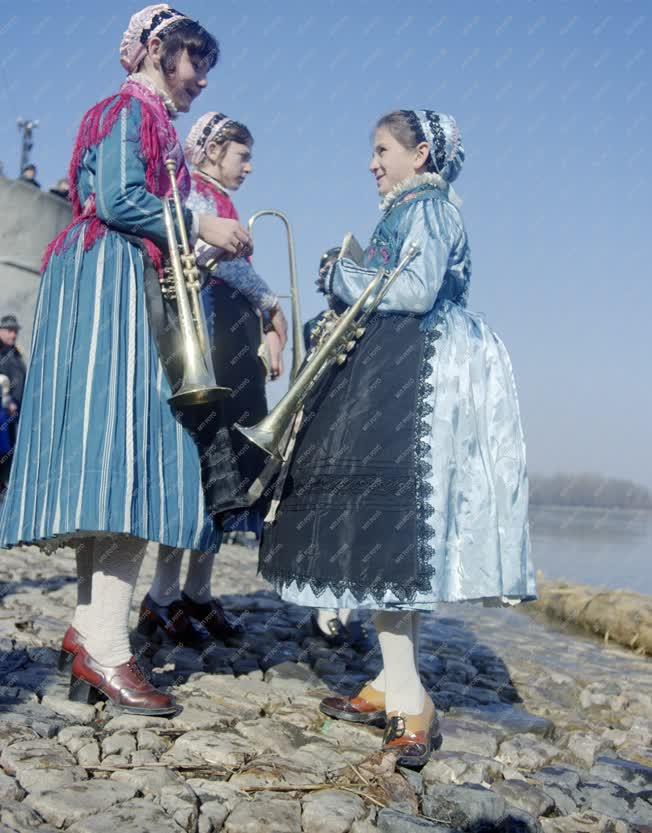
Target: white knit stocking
x=398 y=634
x=116 y=564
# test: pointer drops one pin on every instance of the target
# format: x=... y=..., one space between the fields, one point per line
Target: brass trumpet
x=297 y=353
x=335 y=343
x=199 y=385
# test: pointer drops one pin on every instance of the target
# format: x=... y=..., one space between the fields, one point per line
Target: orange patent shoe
x=368 y=706
x=410 y=736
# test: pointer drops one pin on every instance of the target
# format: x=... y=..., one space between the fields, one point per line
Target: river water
x=607 y=548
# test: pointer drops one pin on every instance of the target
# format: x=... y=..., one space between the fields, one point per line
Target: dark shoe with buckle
x=71 y=643
x=410 y=736
x=171 y=620
x=212 y=616
x=336 y=637
x=352 y=635
x=368 y=706
x=123 y=685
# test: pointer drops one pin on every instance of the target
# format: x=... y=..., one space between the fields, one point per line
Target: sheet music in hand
x=351 y=249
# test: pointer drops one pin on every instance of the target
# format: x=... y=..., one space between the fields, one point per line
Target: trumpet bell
x=265 y=438
x=194 y=394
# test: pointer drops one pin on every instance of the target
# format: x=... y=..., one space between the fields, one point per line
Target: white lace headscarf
x=206 y=129
x=145 y=24
x=442 y=134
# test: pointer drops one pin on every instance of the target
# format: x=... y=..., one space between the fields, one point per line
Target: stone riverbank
x=542 y=729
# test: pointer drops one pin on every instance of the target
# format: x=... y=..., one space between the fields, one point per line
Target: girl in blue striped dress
x=100 y=462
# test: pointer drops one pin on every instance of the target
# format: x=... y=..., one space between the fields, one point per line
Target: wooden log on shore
x=617 y=615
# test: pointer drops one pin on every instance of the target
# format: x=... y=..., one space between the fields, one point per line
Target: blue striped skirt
x=98 y=448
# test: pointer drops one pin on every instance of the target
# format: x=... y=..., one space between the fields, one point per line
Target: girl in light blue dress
x=407 y=485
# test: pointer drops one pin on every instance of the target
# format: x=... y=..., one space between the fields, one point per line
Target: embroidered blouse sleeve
x=238 y=273
x=434 y=226
x=123 y=201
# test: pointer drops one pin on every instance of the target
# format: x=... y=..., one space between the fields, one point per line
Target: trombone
x=198 y=385
x=297 y=355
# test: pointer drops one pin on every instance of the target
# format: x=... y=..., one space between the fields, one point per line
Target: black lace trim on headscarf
x=206 y=132
x=437 y=158
x=438 y=152
x=158 y=18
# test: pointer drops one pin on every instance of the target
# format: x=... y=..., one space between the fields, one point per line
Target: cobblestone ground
x=542 y=730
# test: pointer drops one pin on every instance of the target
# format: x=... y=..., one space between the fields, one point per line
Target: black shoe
x=170 y=620
x=212 y=616
x=337 y=631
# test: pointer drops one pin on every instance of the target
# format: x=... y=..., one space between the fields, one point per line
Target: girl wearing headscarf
x=218 y=150
x=100 y=462
x=407 y=486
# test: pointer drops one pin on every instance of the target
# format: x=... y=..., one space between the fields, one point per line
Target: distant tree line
x=588 y=490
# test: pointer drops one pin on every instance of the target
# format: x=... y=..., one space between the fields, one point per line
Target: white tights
x=398 y=634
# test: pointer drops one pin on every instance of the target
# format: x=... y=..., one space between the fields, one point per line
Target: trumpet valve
x=360 y=332
x=350 y=345
x=167 y=284
x=340 y=358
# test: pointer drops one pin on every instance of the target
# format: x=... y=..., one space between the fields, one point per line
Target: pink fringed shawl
x=223 y=205
x=158 y=142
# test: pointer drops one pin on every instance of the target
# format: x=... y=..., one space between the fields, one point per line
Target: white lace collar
x=146 y=81
x=413 y=182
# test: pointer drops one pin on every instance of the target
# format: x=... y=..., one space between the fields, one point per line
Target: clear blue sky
x=553 y=99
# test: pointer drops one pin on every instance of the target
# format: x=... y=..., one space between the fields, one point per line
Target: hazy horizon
x=554 y=107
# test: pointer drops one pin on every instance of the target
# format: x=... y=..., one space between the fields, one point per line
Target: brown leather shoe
x=368 y=706
x=72 y=641
x=124 y=685
x=410 y=736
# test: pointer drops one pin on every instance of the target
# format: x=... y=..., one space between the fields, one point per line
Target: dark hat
x=329 y=254
x=9 y=322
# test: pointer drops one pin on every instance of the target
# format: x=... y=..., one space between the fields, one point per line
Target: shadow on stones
x=27 y=673
x=47 y=585
x=455 y=666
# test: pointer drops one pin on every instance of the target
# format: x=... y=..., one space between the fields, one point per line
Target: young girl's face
x=233 y=168
x=391 y=162
x=187 y=81
x=236 y=166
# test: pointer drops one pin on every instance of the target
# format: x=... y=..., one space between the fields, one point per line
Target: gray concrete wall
x=29 y=220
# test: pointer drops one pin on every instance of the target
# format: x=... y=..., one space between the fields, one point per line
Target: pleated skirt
x=98 y=448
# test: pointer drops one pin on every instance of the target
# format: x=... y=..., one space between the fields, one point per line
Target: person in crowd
x=28 y=175
x=12 y=371
x=61 y=189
